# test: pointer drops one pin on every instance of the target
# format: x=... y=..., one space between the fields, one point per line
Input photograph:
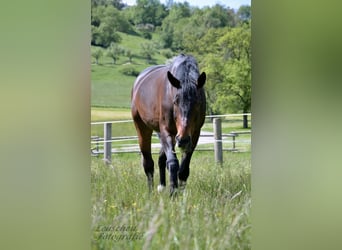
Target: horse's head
x=187 y=103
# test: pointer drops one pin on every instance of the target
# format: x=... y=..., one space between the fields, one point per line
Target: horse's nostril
x=181 y=142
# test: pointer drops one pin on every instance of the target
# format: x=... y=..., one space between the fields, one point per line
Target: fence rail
x=207 y=116
x=103 y=145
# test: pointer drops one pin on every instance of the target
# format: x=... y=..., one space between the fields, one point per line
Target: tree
x=147 y=51
x=174 y=23
x=104 y=35
x=236 y=47
x=208 y=44
x=116 y=3
x=149 y=12
x=213 y=69
x=227 y=63
x=97 y=54
x=244 y=13
x=106 y=22
x=114 y=51
x=218 y=16
x=185 y=26
x=129 y=54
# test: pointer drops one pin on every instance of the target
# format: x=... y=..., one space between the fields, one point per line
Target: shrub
x=166 y=53
x=147 y=35
x=129 y=71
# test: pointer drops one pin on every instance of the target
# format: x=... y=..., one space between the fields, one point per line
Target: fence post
x=107 y=134
x=234 y=142
x=218 y=140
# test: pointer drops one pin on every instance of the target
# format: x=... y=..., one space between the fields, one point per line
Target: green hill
x=109 y=86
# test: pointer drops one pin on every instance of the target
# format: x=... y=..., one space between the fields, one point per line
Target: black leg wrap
x=173 y=167
x=172 y=163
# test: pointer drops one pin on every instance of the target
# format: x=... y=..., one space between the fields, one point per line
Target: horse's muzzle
x=184 y=142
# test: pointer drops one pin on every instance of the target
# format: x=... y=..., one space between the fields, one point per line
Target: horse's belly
x=152 y=123
x=149 y=114
x=146 y=97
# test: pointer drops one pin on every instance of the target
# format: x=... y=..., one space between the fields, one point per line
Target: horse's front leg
x=144 y=135
x=184 y=170
x=172 y=163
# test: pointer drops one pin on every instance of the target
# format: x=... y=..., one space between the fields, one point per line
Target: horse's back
x=147 y=93
x=149 y=77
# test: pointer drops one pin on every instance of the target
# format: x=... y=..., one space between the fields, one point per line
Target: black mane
x=185 y=69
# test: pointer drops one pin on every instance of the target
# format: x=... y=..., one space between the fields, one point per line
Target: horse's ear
x=173 y=80
x=201 y=80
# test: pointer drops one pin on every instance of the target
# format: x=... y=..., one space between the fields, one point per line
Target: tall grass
x=213 y=212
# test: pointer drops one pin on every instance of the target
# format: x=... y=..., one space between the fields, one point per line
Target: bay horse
x=170 y=100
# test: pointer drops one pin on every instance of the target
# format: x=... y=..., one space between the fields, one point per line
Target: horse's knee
x=172 y=165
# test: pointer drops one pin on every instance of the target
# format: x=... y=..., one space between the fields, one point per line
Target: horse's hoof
x=182 y=185
x=173 y=192
x=160 y=188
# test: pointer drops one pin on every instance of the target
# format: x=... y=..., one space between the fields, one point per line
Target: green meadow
x=212 y=213
x=109 y=86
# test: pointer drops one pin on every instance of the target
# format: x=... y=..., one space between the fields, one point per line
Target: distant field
x=110 y=114
x=110 y=87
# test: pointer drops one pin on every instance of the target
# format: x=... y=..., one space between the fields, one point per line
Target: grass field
x=110 y=87
x=110 y=114
x=116 y=114
x=213 y=212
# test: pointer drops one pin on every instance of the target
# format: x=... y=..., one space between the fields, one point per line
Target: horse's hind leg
x=144 y=135
x=148 y=165
x=162 y=166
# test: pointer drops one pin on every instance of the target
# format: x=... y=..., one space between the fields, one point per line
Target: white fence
x=103 y=145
